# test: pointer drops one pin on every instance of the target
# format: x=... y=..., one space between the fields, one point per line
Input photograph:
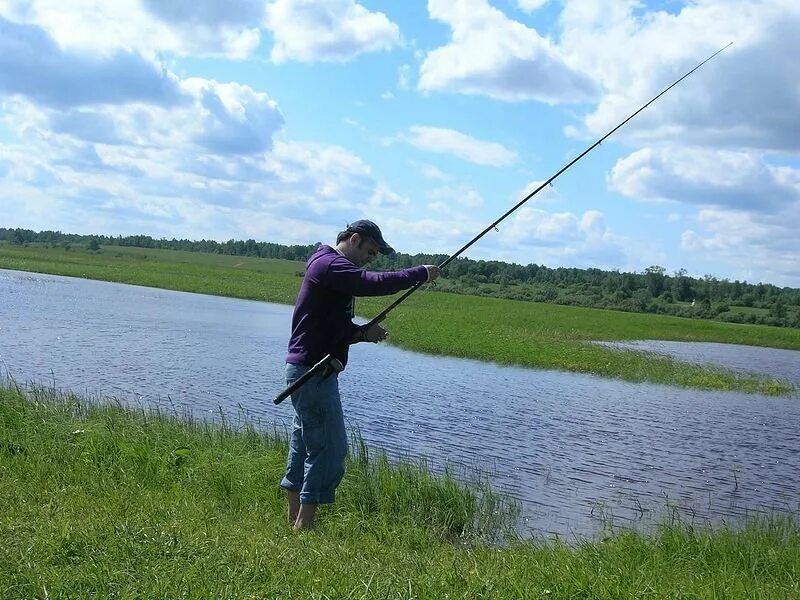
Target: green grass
x=103 y=502
x=504 y=331
x=749 y=310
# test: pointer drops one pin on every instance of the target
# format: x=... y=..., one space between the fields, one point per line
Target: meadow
x=491 y=329
x=105 y=501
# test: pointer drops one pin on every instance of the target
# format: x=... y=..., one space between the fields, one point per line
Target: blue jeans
x=318 y=442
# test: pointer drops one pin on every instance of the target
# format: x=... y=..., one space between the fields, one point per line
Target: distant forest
x=652 y=291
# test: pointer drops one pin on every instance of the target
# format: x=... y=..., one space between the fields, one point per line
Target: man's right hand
x=375 y=334
x=433 y=272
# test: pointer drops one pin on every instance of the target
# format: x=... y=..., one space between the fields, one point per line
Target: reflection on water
x=574 y=448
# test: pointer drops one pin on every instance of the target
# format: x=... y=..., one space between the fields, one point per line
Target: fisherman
x=323 y=324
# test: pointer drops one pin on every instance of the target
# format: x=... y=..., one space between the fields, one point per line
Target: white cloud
x=461 y=145
x=217 y=118
x=431 y=172
x=738 y=99
x=229 y=29
x=535 y=235
x=537 y=227
x=234 y=118
x=457 y=197
x=530 y=5
x=157 y=169
x=384 y=199
x=705 y=177
x=440 y=207
x=33 y=65
x=492 y=55
x=404 y=77
x=754 y=246
x=327 y=30
x=545 y=196
x=207 y=12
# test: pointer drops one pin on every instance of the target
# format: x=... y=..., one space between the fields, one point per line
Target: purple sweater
x=323 y=313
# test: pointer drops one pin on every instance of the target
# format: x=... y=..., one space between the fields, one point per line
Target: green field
x=491 y=329
x=102 y=502
x=749 y=310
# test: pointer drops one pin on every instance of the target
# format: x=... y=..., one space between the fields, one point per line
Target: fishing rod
x=331 y=364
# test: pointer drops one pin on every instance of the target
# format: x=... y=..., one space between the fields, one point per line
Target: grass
x=103 y=501
x=749 y=310
x=504 y=331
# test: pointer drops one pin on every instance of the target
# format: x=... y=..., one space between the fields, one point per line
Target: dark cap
x=369 y=229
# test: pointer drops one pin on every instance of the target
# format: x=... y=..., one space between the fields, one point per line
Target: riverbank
x=504 y=331
x=113 y=502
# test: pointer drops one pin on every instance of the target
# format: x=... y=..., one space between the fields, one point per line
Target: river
x=579 y=452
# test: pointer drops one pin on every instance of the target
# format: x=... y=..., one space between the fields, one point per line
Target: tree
x=778 y=309
x=654 y=277
x=93 y=245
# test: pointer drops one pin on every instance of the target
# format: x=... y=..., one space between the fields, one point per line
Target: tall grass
x=113 y=502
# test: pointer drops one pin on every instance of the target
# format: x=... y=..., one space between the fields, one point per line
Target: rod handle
x=298 y=383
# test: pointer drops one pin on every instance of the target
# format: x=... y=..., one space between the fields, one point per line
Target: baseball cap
x=369 y=229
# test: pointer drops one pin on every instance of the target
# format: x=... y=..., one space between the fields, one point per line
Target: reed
x=115 y=501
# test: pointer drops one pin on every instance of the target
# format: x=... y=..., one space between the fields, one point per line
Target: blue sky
x=282 y=120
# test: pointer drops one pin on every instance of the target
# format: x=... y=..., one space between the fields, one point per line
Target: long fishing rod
x=332 y=364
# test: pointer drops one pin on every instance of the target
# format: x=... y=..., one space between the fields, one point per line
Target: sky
x=284 y=120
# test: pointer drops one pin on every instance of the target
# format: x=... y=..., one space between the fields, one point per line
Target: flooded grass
x=491 y=329
x=108 y=501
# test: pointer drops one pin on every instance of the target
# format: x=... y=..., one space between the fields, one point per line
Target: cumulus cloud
x=758 y=246
x=558 y=238
x=717 y=141
x=492 y=55
x=327 y=30
x=461 y=145
x=157 y=168
x=214 y=117
x=207 y=28
x=235 y=118
x=33 y=65
x=722 y=178
x=733 y=101
x=537 y=227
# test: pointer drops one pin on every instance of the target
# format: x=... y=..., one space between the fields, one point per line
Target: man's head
x=361 y=242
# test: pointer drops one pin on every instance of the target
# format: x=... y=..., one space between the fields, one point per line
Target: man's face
x=364 y=250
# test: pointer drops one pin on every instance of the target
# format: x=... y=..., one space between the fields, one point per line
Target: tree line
x=231 y=247
x=653 y=290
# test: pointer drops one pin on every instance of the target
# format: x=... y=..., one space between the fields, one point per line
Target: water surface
x=775 y=362
x=574 y=449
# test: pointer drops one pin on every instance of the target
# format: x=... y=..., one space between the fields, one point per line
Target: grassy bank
x=105 y=502
x=504 y=331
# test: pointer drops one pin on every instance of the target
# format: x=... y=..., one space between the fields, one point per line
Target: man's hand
x=375 y=334
x=433 y=272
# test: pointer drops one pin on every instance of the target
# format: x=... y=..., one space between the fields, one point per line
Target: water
x=576 y=450
x=783 y=364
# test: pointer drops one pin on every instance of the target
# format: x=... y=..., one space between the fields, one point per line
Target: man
x=323 y=324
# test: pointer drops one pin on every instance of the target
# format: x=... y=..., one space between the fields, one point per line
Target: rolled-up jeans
x=318 y=442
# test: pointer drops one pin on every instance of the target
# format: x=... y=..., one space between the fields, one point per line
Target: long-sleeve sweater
x=323 y=314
